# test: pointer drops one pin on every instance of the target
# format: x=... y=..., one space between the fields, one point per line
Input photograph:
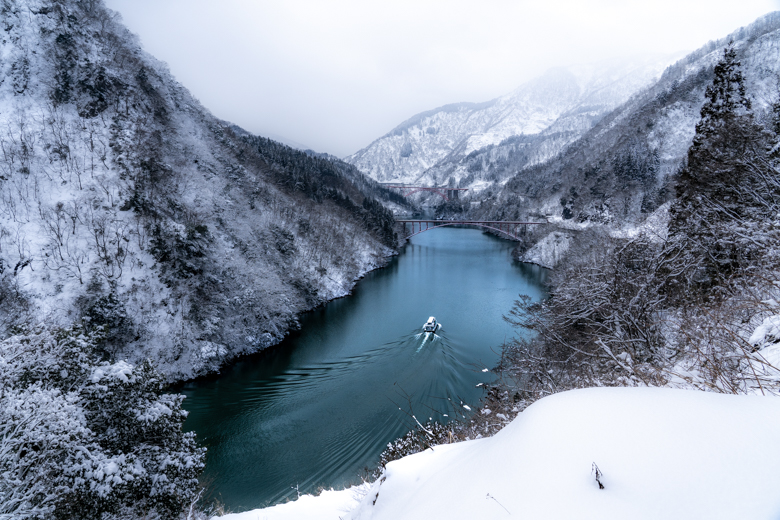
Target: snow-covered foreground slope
x=562 y=104
x=663 y=453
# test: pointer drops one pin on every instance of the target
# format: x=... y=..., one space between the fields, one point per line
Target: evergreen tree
x=725 y=190
x=725 y=96
x=722 y=137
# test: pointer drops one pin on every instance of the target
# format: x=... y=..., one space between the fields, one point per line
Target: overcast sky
x=336 y=74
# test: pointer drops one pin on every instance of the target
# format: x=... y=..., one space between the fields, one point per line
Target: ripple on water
x=323 y=405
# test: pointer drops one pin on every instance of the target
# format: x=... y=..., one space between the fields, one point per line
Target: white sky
x=337 y=74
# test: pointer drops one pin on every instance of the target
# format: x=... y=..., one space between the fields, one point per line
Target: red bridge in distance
x=507 y=228
x=447 y=193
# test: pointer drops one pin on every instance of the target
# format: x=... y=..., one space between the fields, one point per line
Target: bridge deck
x=401 y=186
x=508 y=228
x=434 y=221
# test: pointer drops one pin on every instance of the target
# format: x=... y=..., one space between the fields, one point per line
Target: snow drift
x=663 y=453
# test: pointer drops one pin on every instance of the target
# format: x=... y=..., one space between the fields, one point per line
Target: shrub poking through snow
x=82 y=439
x=594 y=469
x=415 y=441
x=474 y=426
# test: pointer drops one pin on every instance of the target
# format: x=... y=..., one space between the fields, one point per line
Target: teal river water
x=320 y=407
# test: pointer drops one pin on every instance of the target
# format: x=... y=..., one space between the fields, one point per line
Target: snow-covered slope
x=564 y=101
x=549 y=250
x=662 y=453
x=125 y=205
x=618 y=170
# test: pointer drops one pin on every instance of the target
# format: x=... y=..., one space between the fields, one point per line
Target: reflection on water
x=320 y=407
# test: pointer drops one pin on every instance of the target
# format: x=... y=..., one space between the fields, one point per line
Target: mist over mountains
x=594 y=144
x=621 y=170
x=545 y=114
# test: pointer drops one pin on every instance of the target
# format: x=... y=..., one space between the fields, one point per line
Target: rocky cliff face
x=125 y=205
x=544 y=115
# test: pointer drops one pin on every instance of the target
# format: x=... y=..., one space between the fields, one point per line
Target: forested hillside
x=691 y=303
x=619 y=172
x=126 y=206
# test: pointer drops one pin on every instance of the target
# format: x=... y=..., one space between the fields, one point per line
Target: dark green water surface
x=321 y=406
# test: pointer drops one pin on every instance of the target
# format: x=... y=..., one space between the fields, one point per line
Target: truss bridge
x=510 y=229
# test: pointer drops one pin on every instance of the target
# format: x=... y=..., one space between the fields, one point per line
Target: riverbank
x=653 y=451
x=318 y=410
x=336 y=290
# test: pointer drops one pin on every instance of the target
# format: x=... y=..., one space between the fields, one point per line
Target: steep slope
x=126 y=205
x=620 y=170
x=549 y=112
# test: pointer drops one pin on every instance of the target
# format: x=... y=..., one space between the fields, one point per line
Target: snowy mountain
x=127 y=207
x=548 y=113
x=620 y=169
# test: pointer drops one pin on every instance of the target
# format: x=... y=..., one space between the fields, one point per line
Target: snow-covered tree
x=725 y=96
x=43 y=436
x=728 y=194
x=126 y=407
x=82 y=439
x=654 y=309
x=712 y=156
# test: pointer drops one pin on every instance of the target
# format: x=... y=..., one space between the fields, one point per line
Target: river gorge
x=319 y=408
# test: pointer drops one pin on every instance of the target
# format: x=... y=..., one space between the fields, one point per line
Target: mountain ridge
x=621 y=169
x=127 y=206
x=415 y=151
